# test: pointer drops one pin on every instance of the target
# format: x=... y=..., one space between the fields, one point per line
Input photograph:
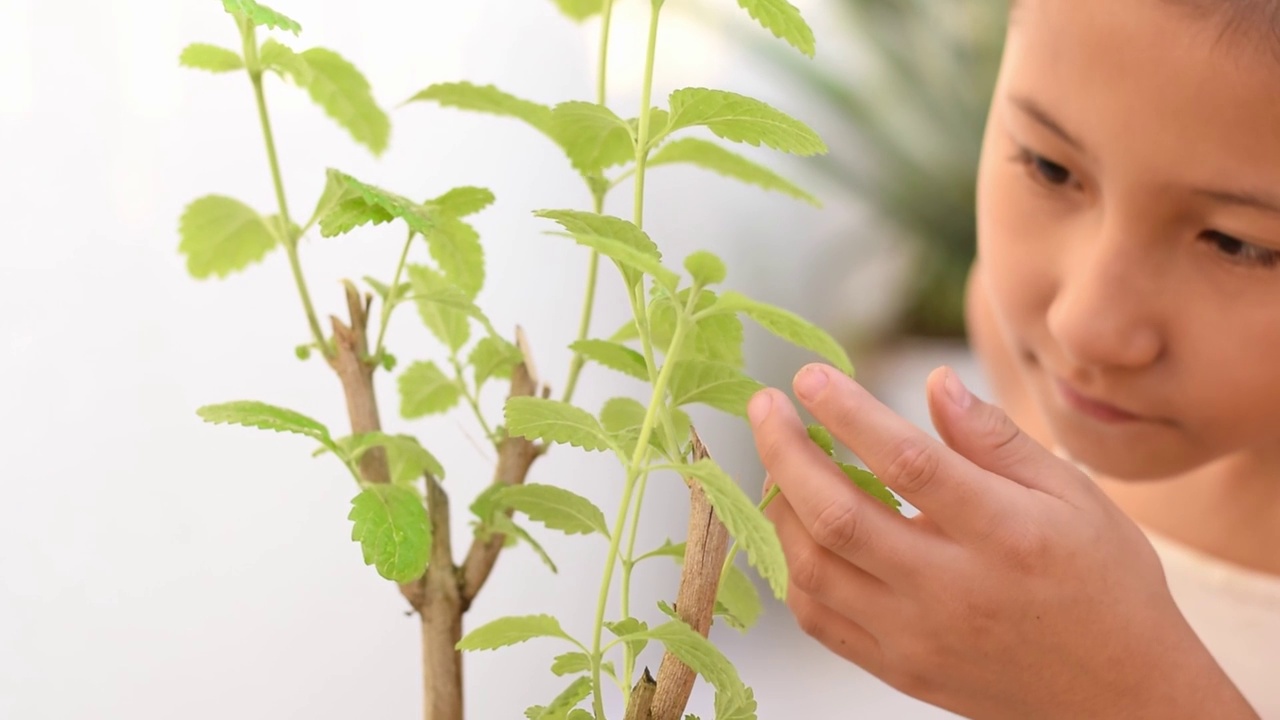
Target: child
x=1126 y=304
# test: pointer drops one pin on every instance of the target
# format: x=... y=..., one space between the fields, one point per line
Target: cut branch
x=515 y=457
x=641 y=697
x=441 y=613
x=696 y=600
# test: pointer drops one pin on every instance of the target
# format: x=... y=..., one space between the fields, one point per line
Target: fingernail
x=810 y=382
x=758 y=408
x=959 y=395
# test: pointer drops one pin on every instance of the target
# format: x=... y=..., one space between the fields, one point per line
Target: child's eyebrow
x=1257 y=201
x=1042 y=116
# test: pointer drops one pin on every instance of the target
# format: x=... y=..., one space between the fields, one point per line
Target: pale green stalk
x=290 y=240
x=733 y=549
x=471 y=398
x=391 y=292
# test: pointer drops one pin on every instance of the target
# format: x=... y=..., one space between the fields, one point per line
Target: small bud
x=303 y=352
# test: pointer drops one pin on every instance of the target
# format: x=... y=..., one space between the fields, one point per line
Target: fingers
x=989 y=438
x=834 y=513
x=837 y=633
x=956 y=495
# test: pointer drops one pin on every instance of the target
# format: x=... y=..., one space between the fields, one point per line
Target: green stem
x=635 y=469
x=733 y=549
x=388 y=304
x=629 y=659
x=290 y=239
x=471 y=399
x=646 y=94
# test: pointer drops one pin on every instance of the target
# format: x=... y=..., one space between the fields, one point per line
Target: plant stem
x=642 y=139
x=733 y=549
x=635 y=469
x=471 y=398
x=249 y=37
x=387 y=304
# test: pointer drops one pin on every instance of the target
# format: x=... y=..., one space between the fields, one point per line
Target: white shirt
x=1236 y=613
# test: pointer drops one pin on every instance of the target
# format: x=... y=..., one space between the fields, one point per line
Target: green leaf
x=740 y=705
x=261 y=15
x=747 y=524
x=406 y=458
x=202 y=56
x=500 y=523
x=418 y=218
x=283 y=61
x=338 y=87
x=700 y=655
x=384 y=291
x=494 y=357
x=568 y=663
x=667 y=549
x=555 y=422
x=487 y=99
x=716 y=338
x=455 y=246
x=705 y=268
x=720 y=385
x=613 y=356
x=445 y=320
x=591 y=135
x=868 y=482
x=559 y=708
x=462 y=201
x=221 y=235
x=511 y=631
x=337 y=191
x=789 y=327
x=822 y=437
x=425 y=390
x=391 y=525
x=555 y=507
x=783 y=20
x=633 y=630
x=251 y=413
x=580 y=714
x=580 y=10
x=614 y=228
x=737 y=600
x=711 y=156
x=738 y=118
x=350 y=213
x=621 y=413
x=629 y=260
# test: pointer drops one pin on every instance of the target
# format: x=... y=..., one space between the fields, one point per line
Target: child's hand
x=1019 y=591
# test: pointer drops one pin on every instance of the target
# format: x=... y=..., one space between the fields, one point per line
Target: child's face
x=1129 y=230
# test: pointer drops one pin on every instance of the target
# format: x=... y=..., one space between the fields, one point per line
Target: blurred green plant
x=905 y=125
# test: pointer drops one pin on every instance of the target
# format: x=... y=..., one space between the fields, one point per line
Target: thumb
x=986 y=435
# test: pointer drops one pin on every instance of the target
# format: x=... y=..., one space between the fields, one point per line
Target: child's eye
x=1241 y=252
x=1043 y=169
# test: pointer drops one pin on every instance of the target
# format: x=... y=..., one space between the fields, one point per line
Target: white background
x=152 y=566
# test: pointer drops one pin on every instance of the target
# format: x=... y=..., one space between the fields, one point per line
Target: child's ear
x=999 y=361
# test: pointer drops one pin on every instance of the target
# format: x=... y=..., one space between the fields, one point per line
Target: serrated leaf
x=738 y=118
x=630 y=261
x=350 y=213
x=783 y=20
x=251 y=413
x=202 y=56
x=555 y=422
x=502 y=524
x=822 y=437
x=426 y=390
x=261 y=15
x=613 y=356
x=705 y=268
x=667 y=549
x=384 y=291
x=710 y=156
x=221 y=235
x=789 y=327
x=614 y=228
x=283 y=61
x=632 y=629
x=580 y=10
x=493 y=357
x=700 y=655
x=487 y=99
x=869 y=483
x=621 y=413
x=591 y=135
x=580 y=714
x=417 y=217
x=737 y=600
x=628 y=331
x=720 y=385
x=740 y=705
x=455 y=246
x=555 y=507
x=446 y=321
x=559 y=708
x=749 y=527
x=658 y=121
x=462 y=201
x=573 y=662
x=511 y=631
x=344 y=94
x=717 y=338
x=391 y=525
x=407 y=460
x=337 y=191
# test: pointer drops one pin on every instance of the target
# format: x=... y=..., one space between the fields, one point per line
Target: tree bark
x=441 y=617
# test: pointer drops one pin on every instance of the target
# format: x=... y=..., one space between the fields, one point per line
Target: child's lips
x=1093 y=408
